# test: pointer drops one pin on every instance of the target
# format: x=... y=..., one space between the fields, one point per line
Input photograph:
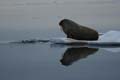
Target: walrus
x=72 y=55
x=78 y=32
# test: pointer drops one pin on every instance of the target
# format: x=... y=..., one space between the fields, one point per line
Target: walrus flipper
x=76 y=31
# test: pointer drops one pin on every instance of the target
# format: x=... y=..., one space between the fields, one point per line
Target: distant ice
x=109 y=41
x=111 y=36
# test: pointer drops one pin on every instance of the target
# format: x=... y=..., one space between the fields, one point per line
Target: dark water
x=42 y=61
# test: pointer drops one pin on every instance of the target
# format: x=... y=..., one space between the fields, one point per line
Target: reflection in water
x=74 y=54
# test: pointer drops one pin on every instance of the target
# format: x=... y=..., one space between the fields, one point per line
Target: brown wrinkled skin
x=76 y=31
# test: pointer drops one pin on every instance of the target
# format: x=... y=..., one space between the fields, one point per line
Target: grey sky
x=34 y=14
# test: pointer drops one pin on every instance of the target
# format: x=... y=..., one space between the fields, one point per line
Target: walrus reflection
x=76 y=31
x=74 y=54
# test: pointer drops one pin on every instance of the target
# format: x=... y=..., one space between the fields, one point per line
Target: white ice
x=108 y=37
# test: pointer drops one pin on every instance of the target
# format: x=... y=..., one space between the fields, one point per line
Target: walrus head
x=65 y=24
x=76 y=31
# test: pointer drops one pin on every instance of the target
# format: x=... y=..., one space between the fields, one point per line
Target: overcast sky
x=29 y=13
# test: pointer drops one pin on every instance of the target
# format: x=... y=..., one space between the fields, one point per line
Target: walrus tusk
x=78 y=32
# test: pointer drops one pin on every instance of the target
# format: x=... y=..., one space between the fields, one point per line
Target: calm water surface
x=29 y=19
